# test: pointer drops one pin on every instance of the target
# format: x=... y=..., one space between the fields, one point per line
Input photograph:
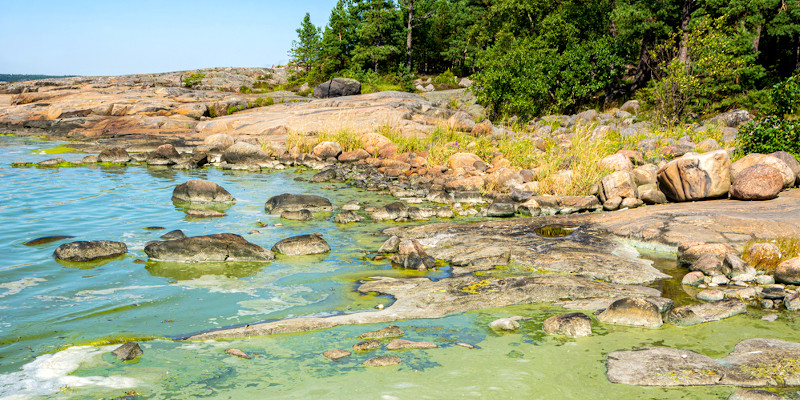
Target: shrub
x=779 y=131
x=445 y=78
x=193 y=79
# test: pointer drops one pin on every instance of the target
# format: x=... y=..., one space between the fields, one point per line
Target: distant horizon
x=136 y=73
x=94 y=38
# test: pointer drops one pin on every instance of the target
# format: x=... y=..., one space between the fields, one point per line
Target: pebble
x=767 y=304
x=466 y=345
x=254 y=232
x=278 y=225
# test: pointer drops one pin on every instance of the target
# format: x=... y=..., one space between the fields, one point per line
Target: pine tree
x=305 y=51
x=338 y=39
x=378 y=33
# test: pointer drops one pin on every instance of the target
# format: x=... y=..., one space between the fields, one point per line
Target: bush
x=779 y=131
x=193 y=79
x=446 y=78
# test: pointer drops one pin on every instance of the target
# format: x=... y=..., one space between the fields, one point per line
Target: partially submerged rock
x=302 y=245
x=299 y=215
x=507 y=324
x=203 y=213
x=128 y=351
x=389 y=331
x=572 y=325
x=82 y=251
x=753 y=363
x=210 y=248
x=114 y=155
x=201 y=191
x=237 y=353
x=383 y=361
x=633 y=311
x=336 y=354
x=296 y=202
x=403 y=344
x=705 y=312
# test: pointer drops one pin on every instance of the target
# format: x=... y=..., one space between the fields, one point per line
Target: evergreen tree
x=378 y=33
x=306 y=50
x=338 y=39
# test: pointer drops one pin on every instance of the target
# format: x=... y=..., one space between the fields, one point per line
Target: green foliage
x=306 y=49
x=445 y=78
x=245 y=90
x=777 y=132
x=193 y=79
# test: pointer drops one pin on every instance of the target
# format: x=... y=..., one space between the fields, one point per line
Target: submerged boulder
x=219 y=247
x=200 y=191
x=296 y=202
x=82 y=251
x=573 y=325
x=302 y=245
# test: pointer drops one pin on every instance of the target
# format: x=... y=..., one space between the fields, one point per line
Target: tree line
x=686 y=58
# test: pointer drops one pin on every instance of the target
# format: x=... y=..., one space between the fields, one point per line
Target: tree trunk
x=408 y=33
x=757 y=39
x=796 y=52
x=643 y=69
x=686 y=17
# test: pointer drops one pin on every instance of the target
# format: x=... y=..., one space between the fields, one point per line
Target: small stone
x=367 y=345
x=336 y=354
x=351 y=206
x=389 y=331
x=711 y=295
x=720 y=280
x=383 y=361
x=465 y=345
x=767 y=304
x=765 y=280
x=128 y=351
x=770 y=317
x=237 y=353
x=400 y=344
x=203 y=213
x=693 y=278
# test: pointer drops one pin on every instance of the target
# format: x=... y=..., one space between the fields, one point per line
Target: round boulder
x=297 y=202
x=243 y=153
x=82 y=251
x=763 y=255
x=302 y=245
x=326 y=150
x=788 y=271
x=300 y=215
x=573 y=325
x=114 y=155
x=757 y=182
x=220 y=141
x=788 y=177
x=633 y=311
x=200 y=191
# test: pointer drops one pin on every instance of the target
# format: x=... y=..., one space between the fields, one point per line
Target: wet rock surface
x=128 y=351
x=201 y=191
x=572 y=325
x=705 y=312
x=82 y=251
x=222 y=247
x=302 y=245
x=296 y=202
x=753 y=363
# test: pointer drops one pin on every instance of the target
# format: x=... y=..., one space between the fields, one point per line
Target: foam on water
x=50 y=373
x=12 y=288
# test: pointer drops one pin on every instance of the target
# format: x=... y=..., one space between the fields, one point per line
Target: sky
x=116 y=37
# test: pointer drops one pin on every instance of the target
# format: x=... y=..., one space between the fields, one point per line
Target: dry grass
x=304 y=143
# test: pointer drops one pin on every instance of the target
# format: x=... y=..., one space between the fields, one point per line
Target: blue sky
x=114 y=37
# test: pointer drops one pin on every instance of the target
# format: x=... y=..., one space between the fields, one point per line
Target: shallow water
x=54 y=319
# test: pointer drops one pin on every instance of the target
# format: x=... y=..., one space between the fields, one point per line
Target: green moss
x=55 y=150
x=776 y=372
x=481 y=286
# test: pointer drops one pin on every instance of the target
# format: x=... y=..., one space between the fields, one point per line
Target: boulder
x=757 y=182
x=299 y=215
x=347 y=217
x=325 y=150
x=762 y=159
x=633 y=311
x=324 y=176
x=353 y=156
x=164 y=155
x=128 y=351
x=500 y=210
x=200 y=191
x=383 y=361
x=244 y=153
x=461 y=121
x=730 y=119
x=220 y=247
x=573 y=325
x=172 y=235
x=709 y=264
x=631 y=106
x=694 y=278
x=649 y=194
x=616 y=162
x=507 y=324
x=296 y=202
x=114 y=155
x=337 y=87
x=374 y=142
x=788 y=271
x=689 y=253
x=696 y=176
x=302 y=245
x=459 y=161
x=82 y=251
x=390 y=212
x=483 y=128
x=219 y=141
x=791 y=162
x=403 y=344
x=618 y=184
x=737 y=269
x=763 y=255
x=645 y=174
x=336 y=354
x=694 y=314
x=411 y=255
x=503 y=179
x=391 y=245
x=469 y=184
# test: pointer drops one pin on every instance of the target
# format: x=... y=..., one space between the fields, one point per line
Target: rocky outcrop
x=753 y=363
x=201 y=191
x=337 y=87
x=696 y=176
x=296 y=202
x=82 y=251
x=222 y=247
x=302 y=245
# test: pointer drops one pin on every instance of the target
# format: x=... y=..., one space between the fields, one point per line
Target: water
x=58 y=322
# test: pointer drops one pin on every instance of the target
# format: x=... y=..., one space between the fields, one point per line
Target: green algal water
x=58 y=322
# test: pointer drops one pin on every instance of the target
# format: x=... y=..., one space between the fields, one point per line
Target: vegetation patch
x=788 y=245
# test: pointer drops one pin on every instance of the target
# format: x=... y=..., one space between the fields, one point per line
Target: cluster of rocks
x=374 y=340
x=426 y=85
x=718 y=272
x=572 y=324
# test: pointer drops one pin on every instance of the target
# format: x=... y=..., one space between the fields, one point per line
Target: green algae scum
x=59 y=322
